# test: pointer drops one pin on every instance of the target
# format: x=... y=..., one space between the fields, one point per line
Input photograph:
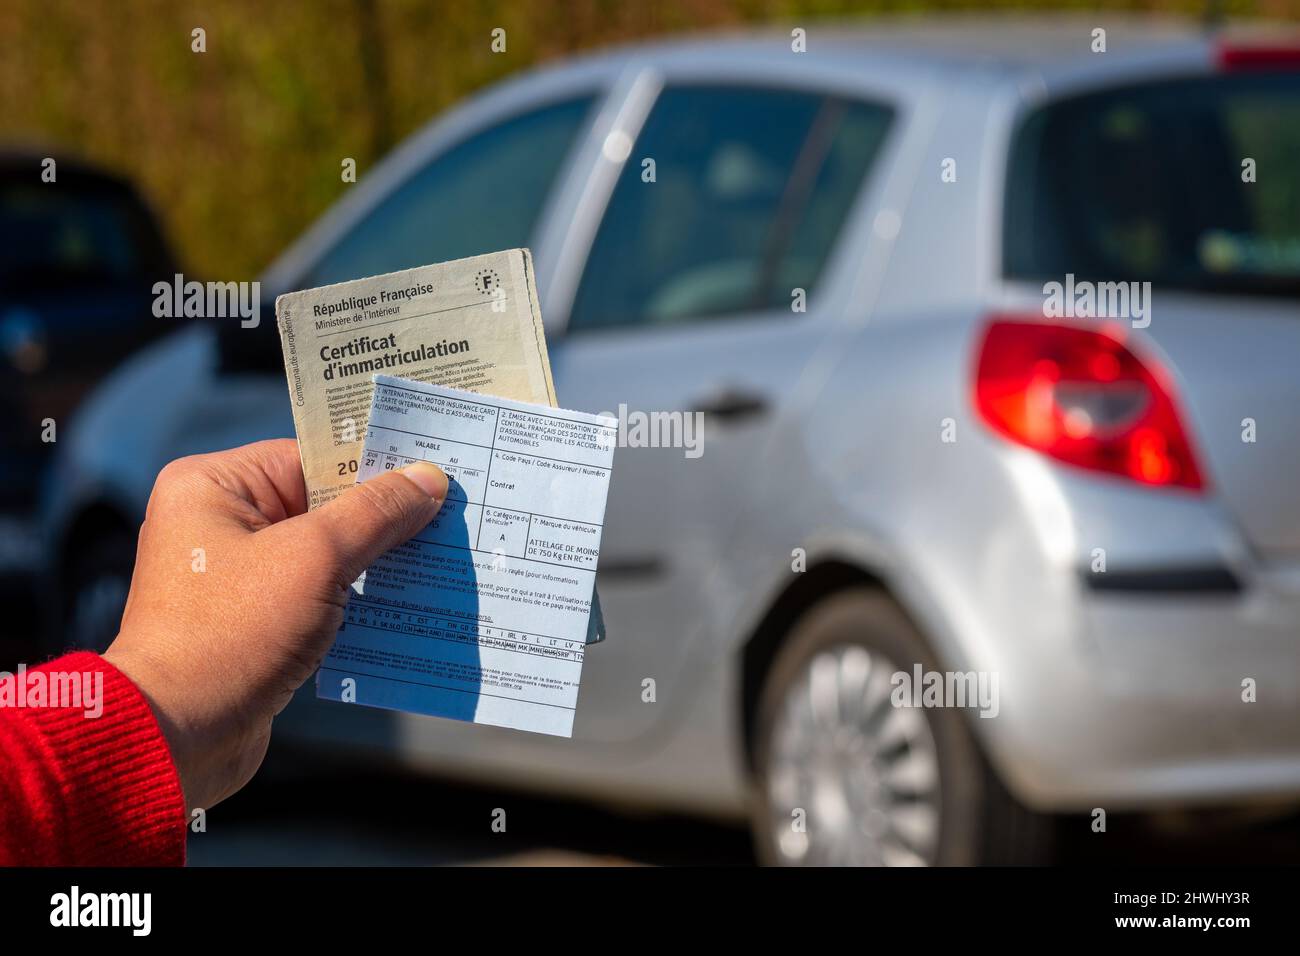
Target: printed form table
x=521 y=527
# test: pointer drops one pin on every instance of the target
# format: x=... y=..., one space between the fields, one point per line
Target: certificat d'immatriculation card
x=483 y=616
x=473 y=324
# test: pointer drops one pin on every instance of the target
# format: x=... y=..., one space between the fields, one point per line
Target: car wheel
x=844 y=777
x=98 y=581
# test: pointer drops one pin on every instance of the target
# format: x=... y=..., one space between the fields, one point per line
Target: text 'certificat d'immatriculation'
x=483 y=615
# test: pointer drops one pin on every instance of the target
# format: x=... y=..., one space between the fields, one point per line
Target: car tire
x=96 y=584
x=864 y=782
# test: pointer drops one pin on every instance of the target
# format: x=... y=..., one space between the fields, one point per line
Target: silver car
x=926 y=465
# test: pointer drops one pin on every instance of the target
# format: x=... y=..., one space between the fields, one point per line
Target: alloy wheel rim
x=851 y=779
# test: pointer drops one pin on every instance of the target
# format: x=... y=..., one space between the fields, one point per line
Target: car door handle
x=733 y=404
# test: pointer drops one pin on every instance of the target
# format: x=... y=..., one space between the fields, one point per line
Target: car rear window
x=1190 y=184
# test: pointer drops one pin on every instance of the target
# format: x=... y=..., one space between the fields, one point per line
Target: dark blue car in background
x=79 y=254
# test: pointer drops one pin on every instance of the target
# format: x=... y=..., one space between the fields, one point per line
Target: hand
x=218 y=640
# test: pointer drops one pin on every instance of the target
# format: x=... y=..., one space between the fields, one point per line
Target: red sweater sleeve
x=78 y=789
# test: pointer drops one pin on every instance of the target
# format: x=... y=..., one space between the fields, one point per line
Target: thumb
x=381 y=513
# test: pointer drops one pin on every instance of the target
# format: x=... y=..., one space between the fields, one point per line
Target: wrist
x=145 y=676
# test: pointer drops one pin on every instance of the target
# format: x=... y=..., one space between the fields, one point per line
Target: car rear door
x=694 y=313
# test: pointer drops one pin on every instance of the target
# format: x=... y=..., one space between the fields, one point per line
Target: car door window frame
x=639 y=92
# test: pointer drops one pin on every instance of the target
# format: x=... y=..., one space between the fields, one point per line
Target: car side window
x=732 y=198
x=482 y=195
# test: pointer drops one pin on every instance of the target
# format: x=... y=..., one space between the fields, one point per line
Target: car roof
x=1016 y=41
x=1045 y=45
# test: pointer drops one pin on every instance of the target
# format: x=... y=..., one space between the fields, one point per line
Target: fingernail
x=428 y=477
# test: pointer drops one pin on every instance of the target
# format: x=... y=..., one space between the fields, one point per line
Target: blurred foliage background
x=239 y=148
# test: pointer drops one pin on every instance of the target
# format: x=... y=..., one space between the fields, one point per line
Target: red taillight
x=1259 y=56
x=1080 y=396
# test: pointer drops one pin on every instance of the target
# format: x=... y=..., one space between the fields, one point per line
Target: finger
x=272 y=475
x=377 y=515
x=266 y=476
x=282 y=466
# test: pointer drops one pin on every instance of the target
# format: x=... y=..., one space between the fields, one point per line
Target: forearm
x=86 y=777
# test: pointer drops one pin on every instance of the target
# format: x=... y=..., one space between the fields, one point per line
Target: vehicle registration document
x=472 y=324
x=483 y=616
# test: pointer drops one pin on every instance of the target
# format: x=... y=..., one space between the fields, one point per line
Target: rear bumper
x=1171 y=698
